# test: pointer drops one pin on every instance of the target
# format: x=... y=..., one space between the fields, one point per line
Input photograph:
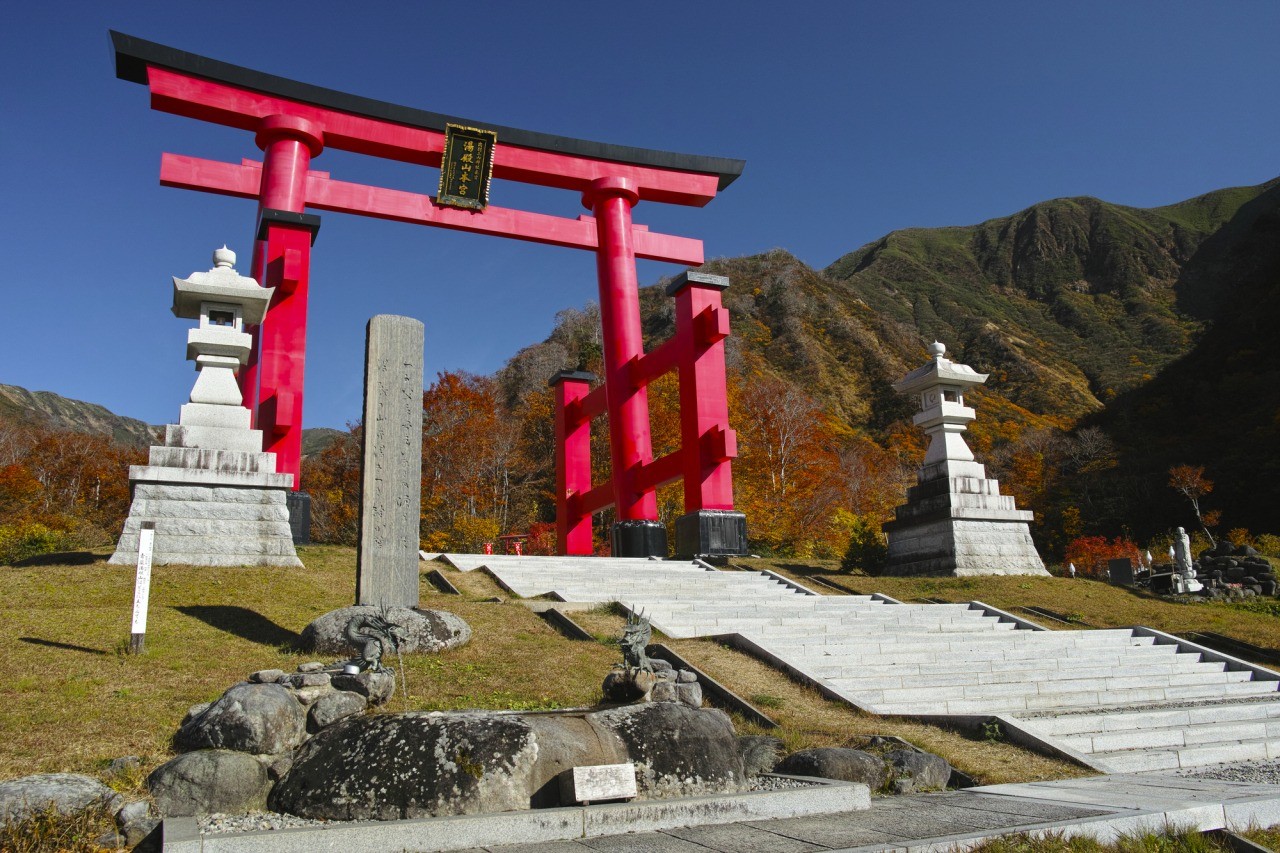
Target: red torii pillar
x=710 y=525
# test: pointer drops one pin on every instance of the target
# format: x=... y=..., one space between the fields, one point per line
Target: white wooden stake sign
x=142 y=587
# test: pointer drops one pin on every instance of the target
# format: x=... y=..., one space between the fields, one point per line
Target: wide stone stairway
x=1120 y=700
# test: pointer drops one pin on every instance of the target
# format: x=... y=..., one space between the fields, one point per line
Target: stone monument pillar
x=955 y=521
x=391 y=492
x=213 y=494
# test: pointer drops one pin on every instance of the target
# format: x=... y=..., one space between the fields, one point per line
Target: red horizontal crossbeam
x=601 y=497
x=221 y=103
x=323 y=193
x=657 y=362
x=659 y=472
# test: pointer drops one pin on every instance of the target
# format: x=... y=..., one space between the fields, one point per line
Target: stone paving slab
x=742 y=838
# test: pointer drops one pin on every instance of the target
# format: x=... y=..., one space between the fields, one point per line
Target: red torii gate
x=293 y=122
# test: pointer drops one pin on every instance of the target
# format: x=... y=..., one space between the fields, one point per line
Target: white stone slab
x=597 y=783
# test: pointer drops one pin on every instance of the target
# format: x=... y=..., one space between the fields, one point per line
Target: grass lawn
x=71 y=698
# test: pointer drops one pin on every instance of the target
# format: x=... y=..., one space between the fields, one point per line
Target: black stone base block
x=711 y=533
x=299 y=504
x=639 y=539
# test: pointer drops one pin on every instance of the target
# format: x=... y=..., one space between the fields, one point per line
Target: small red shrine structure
x=293 y=123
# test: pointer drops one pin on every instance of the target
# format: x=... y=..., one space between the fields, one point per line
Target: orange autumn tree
x=61 y=489
x=469 y=451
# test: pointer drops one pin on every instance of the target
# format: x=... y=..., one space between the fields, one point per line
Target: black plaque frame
x=456 y=190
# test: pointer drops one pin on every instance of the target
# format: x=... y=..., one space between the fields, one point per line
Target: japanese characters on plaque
x=467 y=167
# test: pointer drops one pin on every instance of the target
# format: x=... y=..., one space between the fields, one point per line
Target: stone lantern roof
x=939 y=371
x=220 y=284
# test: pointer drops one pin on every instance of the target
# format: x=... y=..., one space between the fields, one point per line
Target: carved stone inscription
x=387 y=567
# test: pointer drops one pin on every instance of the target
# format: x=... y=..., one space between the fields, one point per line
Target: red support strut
x=573 y=463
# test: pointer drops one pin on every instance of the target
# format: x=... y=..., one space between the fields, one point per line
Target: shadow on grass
x=244 y=623
x=53 y=644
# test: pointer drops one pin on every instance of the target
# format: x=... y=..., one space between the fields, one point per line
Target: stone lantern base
x=213 y=494
x=957 y=523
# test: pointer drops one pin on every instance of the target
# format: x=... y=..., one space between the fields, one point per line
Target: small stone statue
x=1183 y=566
x=636 y=635
x=631 y=680
x=374 y=636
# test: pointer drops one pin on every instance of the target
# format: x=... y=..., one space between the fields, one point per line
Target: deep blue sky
x=911 y=114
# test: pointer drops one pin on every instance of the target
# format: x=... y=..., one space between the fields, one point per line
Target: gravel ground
x=256 y=821
x=253 y=821
x=1254 y=772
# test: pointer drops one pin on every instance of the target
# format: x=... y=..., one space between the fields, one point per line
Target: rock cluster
x=898 y=771
x=72 y=793
x=419 y=764
x=425 y=630
x=238 y=746
x=1230 y=569
x=664 y=684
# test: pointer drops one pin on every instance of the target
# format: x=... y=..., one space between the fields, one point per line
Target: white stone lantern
x=955 y=521
x=943 y=415
x=223 y=301
x=211 y=493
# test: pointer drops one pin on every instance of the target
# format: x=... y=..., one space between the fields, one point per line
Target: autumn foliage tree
x=1190 y=482
x=61 y=489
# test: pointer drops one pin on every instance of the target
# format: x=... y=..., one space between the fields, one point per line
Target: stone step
x=919 y=647
x=1177 y=736
x=204 y=558
x=1142 y=760
x=939 y=701
x=1111 y=721
x=1093 y=665
x=1044 y=689
x=1107 y=677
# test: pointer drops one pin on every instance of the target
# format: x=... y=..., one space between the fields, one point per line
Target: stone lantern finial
x=938 y=349
x=224 y=258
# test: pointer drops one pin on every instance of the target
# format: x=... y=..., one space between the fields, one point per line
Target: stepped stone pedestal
x=955 y=521
x=213 y=494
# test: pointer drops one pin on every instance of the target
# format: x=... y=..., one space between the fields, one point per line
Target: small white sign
x=598 y=782
x=142 y=586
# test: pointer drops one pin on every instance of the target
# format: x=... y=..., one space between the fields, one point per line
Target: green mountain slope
x=1069 y=302
x=47 y=409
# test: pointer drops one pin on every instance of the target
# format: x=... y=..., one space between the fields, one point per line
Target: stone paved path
x=1102 y=806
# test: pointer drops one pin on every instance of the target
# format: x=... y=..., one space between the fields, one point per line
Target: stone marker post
x=391 y=493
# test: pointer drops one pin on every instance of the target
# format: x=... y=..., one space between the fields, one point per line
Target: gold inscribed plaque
x=467 y=167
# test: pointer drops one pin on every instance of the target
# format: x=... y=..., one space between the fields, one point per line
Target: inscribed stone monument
x=391 y=494
x=214 y=496
x=955 y=521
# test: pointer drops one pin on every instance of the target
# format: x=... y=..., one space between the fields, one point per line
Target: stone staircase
x=1120 y=700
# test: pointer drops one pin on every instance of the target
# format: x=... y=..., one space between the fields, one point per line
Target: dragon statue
x=636 y=635
x=374 y=635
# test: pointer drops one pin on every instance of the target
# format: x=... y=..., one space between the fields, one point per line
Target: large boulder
x=426 y=630
x=392 y=766
x=917 y=771
x=257 y=718
x=828 y=762
x=678 y=750
x=208 y=781
x=67 y=793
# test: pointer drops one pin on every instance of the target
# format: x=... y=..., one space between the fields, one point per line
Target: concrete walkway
x=1103 y=807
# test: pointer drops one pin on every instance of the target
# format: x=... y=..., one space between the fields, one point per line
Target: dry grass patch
x=71 y=699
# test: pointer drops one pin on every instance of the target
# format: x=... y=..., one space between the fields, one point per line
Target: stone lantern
x=215 y=498
x=955 y=521
x=223 y=301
